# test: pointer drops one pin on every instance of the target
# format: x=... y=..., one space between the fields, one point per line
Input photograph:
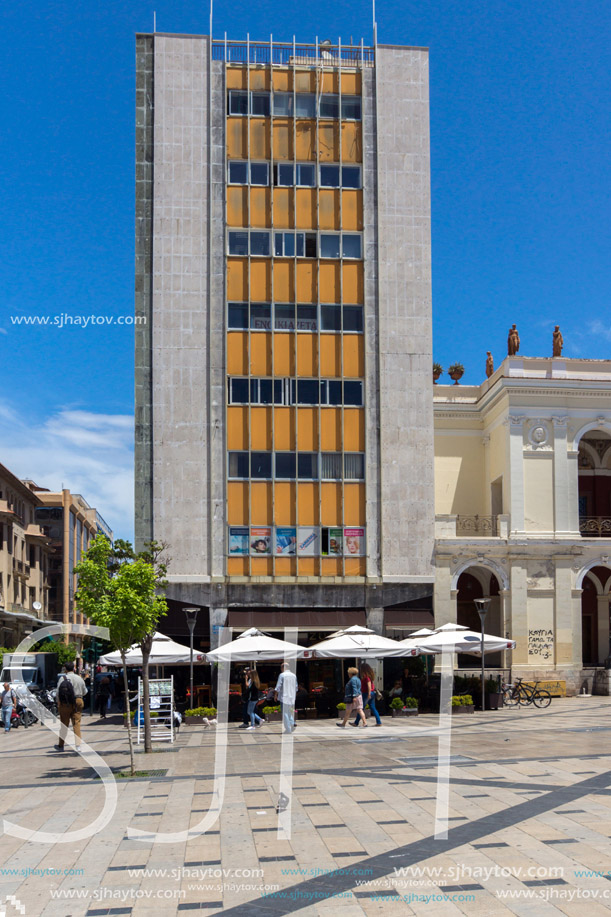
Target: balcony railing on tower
x=477 y=526
x=595 y=526
x=285 y=54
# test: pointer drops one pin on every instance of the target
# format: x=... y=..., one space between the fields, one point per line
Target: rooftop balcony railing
x=284 y=54
x=595 y=526
x=472 y=526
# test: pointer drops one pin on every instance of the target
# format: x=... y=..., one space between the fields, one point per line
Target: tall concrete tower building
x=284 y=435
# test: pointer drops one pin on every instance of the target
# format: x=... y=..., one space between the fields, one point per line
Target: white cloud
x=91 y=454
x=600 y=329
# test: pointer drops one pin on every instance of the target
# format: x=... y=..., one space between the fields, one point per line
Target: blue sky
x=521 y=208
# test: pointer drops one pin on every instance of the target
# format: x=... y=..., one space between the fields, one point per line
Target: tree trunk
x=130 y=737
x=146 y=646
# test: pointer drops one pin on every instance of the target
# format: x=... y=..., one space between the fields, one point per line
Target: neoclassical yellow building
x=523 y=513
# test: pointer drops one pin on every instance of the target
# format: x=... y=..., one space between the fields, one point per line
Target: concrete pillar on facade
x=561 y=477
x=603 y=627
x=218 y=619
x=518 y=615
x=444 y=606
x=572 y=499
x=505 y=616
x=567 y=618
x=375 y=622
x=516 y=472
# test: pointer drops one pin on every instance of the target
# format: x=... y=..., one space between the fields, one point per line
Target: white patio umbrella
x=362 y=642
x=253 y=645
x=459 y=639
x=164 y=652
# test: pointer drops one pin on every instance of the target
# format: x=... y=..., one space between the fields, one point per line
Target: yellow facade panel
x=306 y=281
x=328 y=209
x=284 y=280
x=328 y=141
x=237 y=279
x=259 y=138
x=237 y=353
x=352 y=141
x=282 y=80
x=331 y=503
x=331 y=566
x=355 y=566
x=307 y=495
x=354 y=356
x=331 y=430
x=260 y=207
x=307 y=355
x=351 y=83
x=236 y=78
x=306 y=208
x=285 y=566
x=261 y=508
x=261 y=439
x=237 y=427
x=261 y=566
x=305 y=138
x=330 y=355
x=308 y=566
x=330 y=283
x=237 y=566
x=354 y=430
x=285 y=511
x=330 y=81
x=283 y=208
x=354 y=504
x=237 y=138
x=283 y=139
x=237 y=503
x=284 y=354
x=237 y=205
x=259 y=79
x=353 y=282
x=284 y=429
x=261 y=354
x=305 y=80
x=352 y=210
x=307 y=429
x=261 y=280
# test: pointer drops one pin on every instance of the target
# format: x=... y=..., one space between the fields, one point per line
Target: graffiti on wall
x=541 y=643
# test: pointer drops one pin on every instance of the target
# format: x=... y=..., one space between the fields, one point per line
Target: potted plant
x=462 y=703
x=272 y=714
x=494 y=697
x=410 y=707
x=341 y=707
x=396 y=706
x=456 y=371
x=193 y=716
x=437 y=371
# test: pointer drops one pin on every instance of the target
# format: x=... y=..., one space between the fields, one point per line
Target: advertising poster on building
x=308 y=541
x=238 y=540
x=335 y=542
x=286 y=540
x=261 y=540
x=354 y=542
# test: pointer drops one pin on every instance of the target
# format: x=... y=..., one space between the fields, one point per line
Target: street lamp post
x=482 y=609
x=191 y=615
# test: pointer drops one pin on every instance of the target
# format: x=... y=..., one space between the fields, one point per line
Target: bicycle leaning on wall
x=523 y=695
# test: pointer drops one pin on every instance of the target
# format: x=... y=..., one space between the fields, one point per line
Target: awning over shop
x=404 y=619
x=304 y=619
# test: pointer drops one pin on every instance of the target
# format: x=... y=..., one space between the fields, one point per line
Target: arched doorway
x=594 y=481
x=595 y=616
x=476 y=583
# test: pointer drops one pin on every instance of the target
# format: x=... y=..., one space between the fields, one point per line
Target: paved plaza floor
x=528 y=820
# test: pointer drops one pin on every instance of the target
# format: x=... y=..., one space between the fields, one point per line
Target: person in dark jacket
x=353 y=698
x=254 y=686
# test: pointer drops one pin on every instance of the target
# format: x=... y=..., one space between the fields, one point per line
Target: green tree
x=118 y=589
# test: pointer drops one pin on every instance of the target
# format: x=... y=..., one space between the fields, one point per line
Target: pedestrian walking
x=368 y=692
x=254 y=686
x=353 y=698
x=286 y=692
x=8 y=703
x=71 y=690
x=245 y=717
x=104 y=689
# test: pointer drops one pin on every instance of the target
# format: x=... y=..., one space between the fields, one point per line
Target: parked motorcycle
x=21 y=716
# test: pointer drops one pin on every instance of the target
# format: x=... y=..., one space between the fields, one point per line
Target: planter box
x=273 y=718
x=494 y=701
x=192 y=721
x=464 y=708
x=410 y=711
x=311 y=713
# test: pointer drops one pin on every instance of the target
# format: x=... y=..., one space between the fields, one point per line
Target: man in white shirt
x=70 y=712
x=286 y=692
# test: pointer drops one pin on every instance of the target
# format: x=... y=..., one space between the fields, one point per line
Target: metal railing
x=595 y=526
x=477 y=526
x=21 y=568
x=285 y=54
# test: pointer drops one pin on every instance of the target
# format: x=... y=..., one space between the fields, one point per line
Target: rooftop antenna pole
x=211 y=7
x=375 y=25
x=154 y=22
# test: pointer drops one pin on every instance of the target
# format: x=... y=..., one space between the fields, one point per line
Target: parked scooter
x=21 y=716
